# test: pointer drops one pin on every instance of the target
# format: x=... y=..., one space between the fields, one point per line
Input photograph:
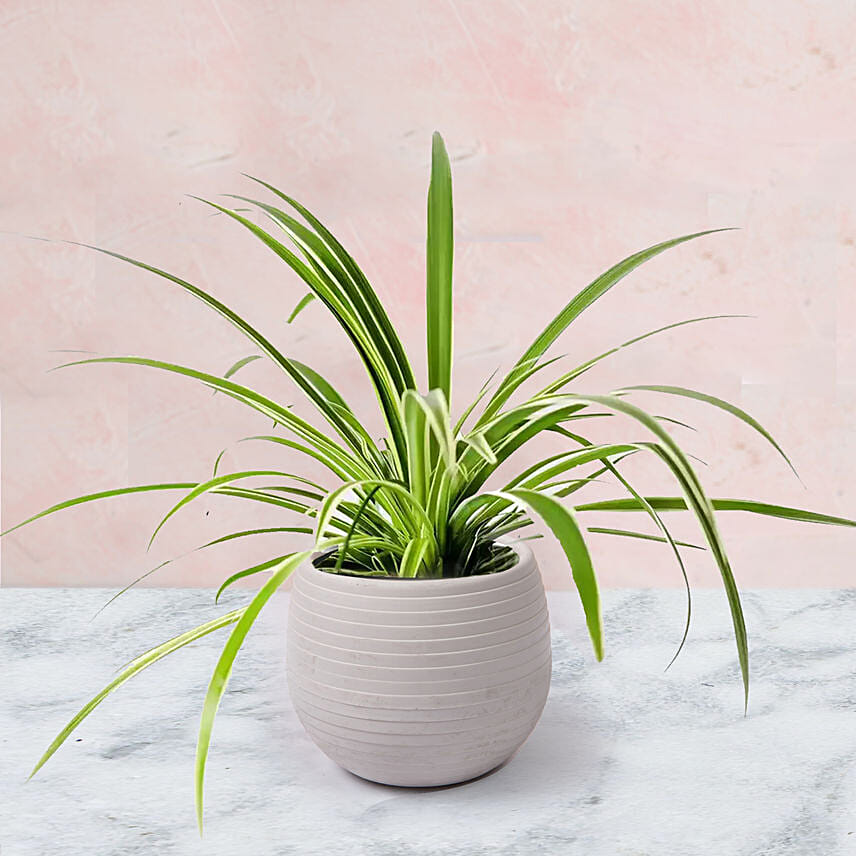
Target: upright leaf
x=439 y=252
x=359 y=279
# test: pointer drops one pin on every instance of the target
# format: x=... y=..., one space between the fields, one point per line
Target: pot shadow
x=564 y=753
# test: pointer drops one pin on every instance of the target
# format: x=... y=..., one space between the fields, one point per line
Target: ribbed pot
x=419 y=682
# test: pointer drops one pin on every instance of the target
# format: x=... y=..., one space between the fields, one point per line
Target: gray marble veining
x=626 y=761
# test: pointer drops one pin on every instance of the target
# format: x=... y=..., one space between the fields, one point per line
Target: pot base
x=434 y=784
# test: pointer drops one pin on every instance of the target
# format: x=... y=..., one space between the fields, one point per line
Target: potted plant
x=418 y=644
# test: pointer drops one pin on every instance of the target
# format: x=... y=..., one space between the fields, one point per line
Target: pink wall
x=579 y=133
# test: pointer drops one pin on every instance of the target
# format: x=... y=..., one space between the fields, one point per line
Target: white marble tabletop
x=626 y=761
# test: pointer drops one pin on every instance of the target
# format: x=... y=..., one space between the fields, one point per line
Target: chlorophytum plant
x=417 y=504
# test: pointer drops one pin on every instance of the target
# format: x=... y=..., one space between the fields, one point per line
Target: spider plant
x=417 y=504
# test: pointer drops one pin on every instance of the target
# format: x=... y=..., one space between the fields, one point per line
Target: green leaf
x=130 y=585
x=611 y=467
x=302 y=530
x=330 y=463
x=348 y=303
x=259 y=496
x=742 y=415
x=250 y=332
x=418 y=445
x=699 y=502
x=223 y=669
x=564 y=526
x=247 y=572
x=339 y=414
x=436 y=413
x=459 y=425
x=217 y=460
x=578 y=304
x=439 y=253
x=363 y=287
x=510 y=431
x=574 y=373
x=301 y=305
x=414 y=555
x=536 y=475
x=676 y=503
x=337 y=458
x=103 y=494
x=343 y=550
x=334 y=499
x=624 y=533
x=237 y=366
x=482 y=447
x=677 y=422
x=658 y=521
x=134 y=667
x=212 y=484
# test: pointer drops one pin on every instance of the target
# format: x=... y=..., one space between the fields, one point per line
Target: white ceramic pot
x=419 y=682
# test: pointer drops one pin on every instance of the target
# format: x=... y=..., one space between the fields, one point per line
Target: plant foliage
x=415 y=504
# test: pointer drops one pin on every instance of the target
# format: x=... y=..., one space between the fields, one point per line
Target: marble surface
x=627 y=760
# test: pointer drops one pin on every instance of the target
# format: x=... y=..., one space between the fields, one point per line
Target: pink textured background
x=579 y=132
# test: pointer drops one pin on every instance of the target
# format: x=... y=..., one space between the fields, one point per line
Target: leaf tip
x=199 y=804
x=39 y=765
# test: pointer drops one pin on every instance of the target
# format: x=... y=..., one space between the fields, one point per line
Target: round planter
x=419 y=682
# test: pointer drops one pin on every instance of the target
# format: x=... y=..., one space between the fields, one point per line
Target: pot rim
x=525 y=559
